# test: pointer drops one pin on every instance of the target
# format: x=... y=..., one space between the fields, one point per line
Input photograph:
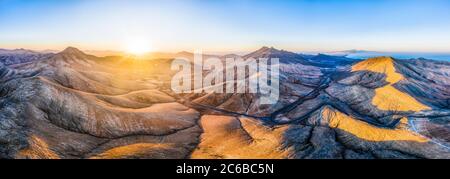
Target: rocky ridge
x=73 y=105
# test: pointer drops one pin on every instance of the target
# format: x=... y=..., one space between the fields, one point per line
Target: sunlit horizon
x=228 y=26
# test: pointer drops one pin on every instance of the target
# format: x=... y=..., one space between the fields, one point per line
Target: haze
x=227 y=26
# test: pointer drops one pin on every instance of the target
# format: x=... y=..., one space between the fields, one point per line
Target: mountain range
x=18 y=56
x=363 y=54
x=74 y=105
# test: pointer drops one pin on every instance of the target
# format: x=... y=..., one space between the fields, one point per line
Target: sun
x=138 y=47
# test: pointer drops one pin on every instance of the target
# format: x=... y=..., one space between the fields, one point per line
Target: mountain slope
x=18 y=56
x=388 y=97
x=74 y=105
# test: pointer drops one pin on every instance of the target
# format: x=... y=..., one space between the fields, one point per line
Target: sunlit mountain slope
x=74 y=105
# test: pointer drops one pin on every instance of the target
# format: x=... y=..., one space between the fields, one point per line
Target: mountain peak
x=383 y=64
x=265 y=52
x=268 y=49
x=380 y=59
x=376 y=62
x=72 y=50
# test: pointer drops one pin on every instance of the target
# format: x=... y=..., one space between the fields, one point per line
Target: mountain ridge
x=80 y=106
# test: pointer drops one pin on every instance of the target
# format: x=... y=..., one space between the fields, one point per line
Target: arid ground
x=74 y=105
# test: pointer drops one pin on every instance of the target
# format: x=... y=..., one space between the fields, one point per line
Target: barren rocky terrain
x=74 y=105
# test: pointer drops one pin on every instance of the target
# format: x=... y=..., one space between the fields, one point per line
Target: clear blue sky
x=228 y=25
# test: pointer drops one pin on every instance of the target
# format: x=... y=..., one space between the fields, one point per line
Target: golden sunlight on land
x=140 y=150
x=231 y=137
x=369 y=132
x=138 y=47
x=380 y=65
x=37 y=149
x=228 y=137
x=388 y=97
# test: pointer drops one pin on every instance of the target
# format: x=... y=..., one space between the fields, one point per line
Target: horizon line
x=225 y=52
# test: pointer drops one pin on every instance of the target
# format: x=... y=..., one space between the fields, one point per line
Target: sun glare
x=138 y=47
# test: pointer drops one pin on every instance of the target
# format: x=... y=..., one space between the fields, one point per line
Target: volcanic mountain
x=10 y=57
x=74 y=105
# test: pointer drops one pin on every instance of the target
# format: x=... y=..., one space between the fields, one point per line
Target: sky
x=227 y=25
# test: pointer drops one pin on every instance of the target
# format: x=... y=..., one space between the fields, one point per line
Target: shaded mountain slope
x=73 y=105
x=18 y=56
